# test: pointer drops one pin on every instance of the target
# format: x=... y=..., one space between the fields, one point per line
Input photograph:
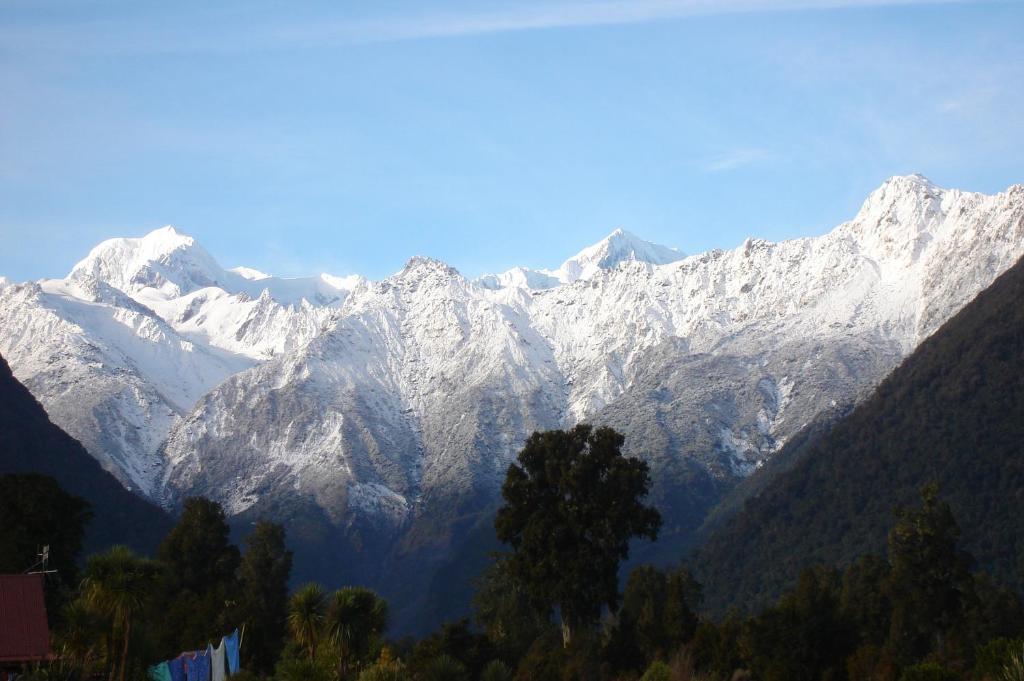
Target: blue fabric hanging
x=177 y=669
x=231 y=642
x=199 y=666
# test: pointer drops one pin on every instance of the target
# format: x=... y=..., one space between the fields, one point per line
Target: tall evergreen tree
x=503 y=609
x=930 y=584
x=805 y=637
x=864 y=599
x=201 y=565
x=263 y=595
x=658 y=615
x=572 y=504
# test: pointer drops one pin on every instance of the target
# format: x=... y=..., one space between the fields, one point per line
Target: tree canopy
x=572 y=503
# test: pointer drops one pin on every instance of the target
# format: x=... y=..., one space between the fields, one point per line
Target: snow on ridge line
x=412 y=327
x=126 y=263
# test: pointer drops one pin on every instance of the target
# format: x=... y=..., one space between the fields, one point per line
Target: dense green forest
x=953 y=413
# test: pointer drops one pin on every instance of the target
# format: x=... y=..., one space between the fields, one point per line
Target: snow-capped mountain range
x=387 y=404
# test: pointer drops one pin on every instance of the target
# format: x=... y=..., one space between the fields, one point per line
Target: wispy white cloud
x=737 y=158
x=249 y=34
x=564 y=15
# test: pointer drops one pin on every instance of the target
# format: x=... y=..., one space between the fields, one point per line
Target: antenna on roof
x=43 y=563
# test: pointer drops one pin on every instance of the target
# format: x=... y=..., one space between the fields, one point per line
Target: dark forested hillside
x=953 y=413
x=30 y=443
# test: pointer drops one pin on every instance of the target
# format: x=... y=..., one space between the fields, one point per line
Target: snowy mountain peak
x=165 y=261
x=896 y=221
x=421 y=264
x=249 y=273
x=901 y=193
x=619 y=246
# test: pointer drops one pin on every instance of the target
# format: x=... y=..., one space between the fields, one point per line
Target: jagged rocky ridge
x=389 y=410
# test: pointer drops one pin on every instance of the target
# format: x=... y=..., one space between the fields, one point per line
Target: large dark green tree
x=201 y=565
x=457 y=641
x=572 y=504
x=805 y=637
x=658 y=615
x=502 y=607
x=263 y=595
x=930 y=583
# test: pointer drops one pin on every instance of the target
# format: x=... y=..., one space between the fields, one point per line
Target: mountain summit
x=618 y=247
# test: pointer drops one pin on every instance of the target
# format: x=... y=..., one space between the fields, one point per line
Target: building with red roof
x=24 y=632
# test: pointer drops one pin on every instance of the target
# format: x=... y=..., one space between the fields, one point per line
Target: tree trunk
x=566 y=631
x=124 y=649
x=111 y=655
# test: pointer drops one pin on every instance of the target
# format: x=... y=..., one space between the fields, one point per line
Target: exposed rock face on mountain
x=391 y=409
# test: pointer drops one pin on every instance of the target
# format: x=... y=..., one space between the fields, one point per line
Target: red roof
x=24 y=634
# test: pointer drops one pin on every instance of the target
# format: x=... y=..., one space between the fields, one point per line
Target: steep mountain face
x=388 y=411
x=29 y=442
x=953 y=412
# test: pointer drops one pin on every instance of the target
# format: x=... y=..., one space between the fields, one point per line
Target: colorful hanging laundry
x=160 y=672
x=231 y=643
x=198 y=667
x=212 y=664
x=217 y=662
x=177 y=669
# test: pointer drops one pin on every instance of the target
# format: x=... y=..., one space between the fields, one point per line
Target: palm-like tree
x=118 y=584
x=1013 y=670
x=306 y=616
x=78 y=637
x=355 y=618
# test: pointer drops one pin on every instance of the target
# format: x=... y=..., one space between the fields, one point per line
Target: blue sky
x=347 y=137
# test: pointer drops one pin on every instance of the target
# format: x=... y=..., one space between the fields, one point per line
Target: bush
x=378 y=672
x=928 y=671
x=657 y=671
x=496 y=670
x=302 y=669
x=444 y=668
x=990 y=658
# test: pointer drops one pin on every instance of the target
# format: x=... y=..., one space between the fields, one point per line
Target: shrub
x=444 y=668
x=928 y=671
x=496 y=670
x=657 y=671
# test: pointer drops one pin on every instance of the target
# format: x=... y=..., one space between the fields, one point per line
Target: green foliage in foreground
x=918 y=614
x=572 y=504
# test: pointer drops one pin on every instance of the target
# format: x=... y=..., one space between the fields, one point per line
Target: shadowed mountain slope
x=30 y=443
x=953 y=412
